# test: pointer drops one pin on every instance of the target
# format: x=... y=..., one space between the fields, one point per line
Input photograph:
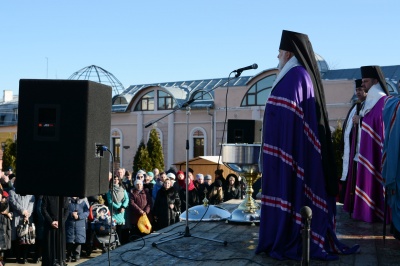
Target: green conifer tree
x=155 y=151
x=142 y=160
x=10 y=155
x=338 y=148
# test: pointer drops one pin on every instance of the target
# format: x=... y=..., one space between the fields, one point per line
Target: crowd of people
x=41 y=242
x=161 y=195
x=58 y=240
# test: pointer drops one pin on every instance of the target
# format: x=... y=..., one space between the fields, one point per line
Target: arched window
x=165 y=101
x=120 y=100
x=146 y=103
x=202 y=95
x=258 y=94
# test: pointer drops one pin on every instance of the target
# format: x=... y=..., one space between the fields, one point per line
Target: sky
x=151 y=41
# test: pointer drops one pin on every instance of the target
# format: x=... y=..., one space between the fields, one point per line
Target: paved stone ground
x=241 y=241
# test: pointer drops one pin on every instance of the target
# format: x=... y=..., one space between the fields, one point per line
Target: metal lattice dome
x=100 y=75
x=322 y=64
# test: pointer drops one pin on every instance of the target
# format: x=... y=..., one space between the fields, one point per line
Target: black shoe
x=22 y=261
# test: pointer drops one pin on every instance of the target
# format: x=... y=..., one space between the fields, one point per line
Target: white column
x=139 y=128
x=171 y=137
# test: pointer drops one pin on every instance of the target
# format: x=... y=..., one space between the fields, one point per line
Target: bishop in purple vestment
x=297 y=159
x=369 y=196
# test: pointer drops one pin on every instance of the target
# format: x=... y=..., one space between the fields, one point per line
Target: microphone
x=240 y=70
x=253 y=66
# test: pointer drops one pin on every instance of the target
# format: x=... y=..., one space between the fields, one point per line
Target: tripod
x=187 y=230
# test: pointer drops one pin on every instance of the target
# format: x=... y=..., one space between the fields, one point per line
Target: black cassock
x=54 y=239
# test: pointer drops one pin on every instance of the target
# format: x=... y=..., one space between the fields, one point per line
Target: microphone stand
x=60 y=232
x=353 y=180
x=306 y=214
x=238 y=73
x=187 y=230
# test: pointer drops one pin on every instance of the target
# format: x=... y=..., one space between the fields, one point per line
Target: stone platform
x=242 y=239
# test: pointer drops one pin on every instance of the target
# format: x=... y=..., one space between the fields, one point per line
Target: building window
x=202 y=95
x=198 y=143
x=146 y=103
x=165 y=101
x=258 y=94
x=16 y=114
x=116 y=146
x=120 y=100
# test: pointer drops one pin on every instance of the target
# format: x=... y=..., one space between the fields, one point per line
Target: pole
x=60 y=232
x=354 y=166
x=306 y=214
x=187 y=232
x=384 y=217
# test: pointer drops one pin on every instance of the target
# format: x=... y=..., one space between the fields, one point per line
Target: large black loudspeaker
x=60 y=125
x=241 y=131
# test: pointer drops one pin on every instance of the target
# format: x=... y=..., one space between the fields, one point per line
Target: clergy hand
x=356 y=119
x=54 y=224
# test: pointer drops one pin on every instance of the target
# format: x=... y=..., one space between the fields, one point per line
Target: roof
x=183 y=90
x=392 y=73
x=203 y=160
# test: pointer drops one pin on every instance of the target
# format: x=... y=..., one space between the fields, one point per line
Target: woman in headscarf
x=140 y=202
x=75 y=227
x=193 y=197
x=233 y=189
x=167 y=205
x=118 y=200
x=216 y=195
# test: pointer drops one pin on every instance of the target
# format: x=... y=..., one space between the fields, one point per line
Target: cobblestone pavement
x=241 y=242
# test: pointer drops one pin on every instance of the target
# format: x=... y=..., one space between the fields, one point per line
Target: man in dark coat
x=54 y=239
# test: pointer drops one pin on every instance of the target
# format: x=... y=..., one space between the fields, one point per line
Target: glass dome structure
x=322 y=64
x=100 y=75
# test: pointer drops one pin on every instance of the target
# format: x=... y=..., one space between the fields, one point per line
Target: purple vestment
x=369 y=197
x=292 y=175
x=391 y=160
